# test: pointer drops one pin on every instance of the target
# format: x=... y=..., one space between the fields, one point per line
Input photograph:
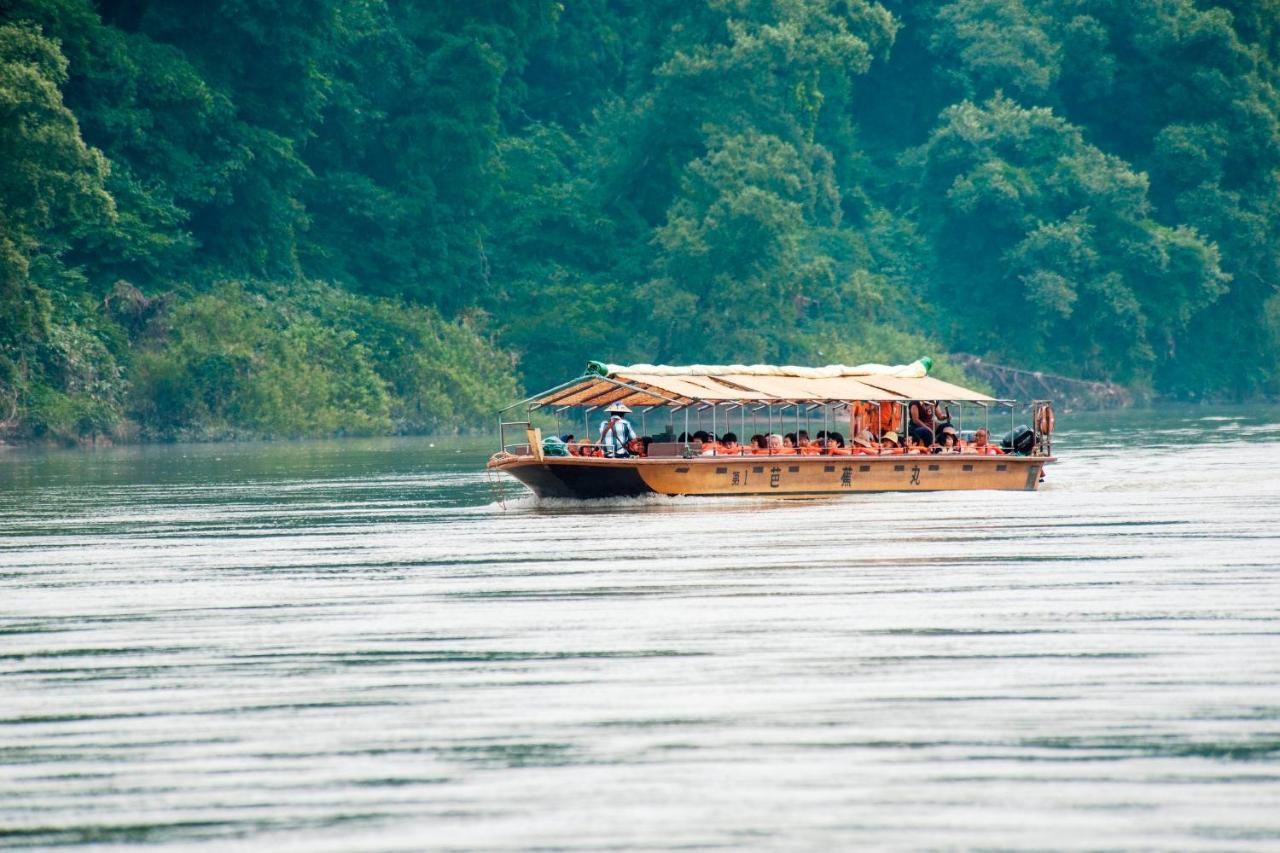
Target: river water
x=348 y=645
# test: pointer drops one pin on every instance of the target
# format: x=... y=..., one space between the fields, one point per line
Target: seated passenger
x=863 y=445
x=775 y=444
x=980 y=444
x=729 y=445
x=823 y=443
x=636 y=448
x=950 y=440
x=645 y=441
x=889 y=443
x=758 y=444
x=805 y=447
x=789 y=440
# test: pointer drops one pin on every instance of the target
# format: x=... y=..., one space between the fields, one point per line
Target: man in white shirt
x=616 y=432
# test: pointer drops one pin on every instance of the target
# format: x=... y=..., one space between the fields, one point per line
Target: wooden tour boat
x=869 y=401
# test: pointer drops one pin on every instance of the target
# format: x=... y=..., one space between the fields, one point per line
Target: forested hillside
x=309 y=217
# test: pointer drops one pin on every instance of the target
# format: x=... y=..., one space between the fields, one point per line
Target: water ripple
x=351 y=645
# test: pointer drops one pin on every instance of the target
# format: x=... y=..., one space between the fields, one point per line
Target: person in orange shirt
x=860 y=417
x=890 y=417
x=729 y=445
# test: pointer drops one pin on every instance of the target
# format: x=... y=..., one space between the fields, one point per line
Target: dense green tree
x=1053 y=245
x=51 y=195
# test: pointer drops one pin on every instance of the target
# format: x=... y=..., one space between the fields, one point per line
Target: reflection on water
x=349 y=645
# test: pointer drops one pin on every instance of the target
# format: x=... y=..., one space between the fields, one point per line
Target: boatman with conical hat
x=616 y=432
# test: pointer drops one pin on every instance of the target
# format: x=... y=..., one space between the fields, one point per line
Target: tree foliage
x=1087 y=187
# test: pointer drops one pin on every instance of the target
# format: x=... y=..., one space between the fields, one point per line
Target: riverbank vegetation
x=314 y=217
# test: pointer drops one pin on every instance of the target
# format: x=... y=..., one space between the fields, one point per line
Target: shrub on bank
x=311 y=360
x=251 y=360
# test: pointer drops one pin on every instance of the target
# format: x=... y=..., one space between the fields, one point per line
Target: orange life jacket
x=890 y=417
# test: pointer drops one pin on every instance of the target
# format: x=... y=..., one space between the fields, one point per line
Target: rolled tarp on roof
x=916 y=369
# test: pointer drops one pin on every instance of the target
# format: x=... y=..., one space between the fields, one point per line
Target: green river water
x=348 y=645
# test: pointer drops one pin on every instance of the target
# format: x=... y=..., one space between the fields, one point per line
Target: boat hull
x=777 y=476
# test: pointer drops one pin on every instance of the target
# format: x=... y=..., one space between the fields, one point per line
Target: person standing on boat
x=616 y=432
